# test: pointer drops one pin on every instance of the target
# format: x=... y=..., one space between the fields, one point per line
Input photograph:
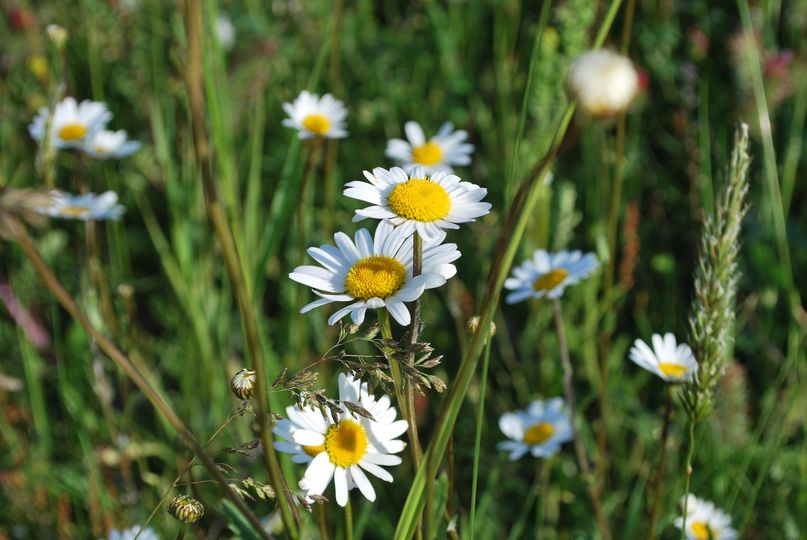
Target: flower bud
x=243 y=383
x=603 y=82
x=57 y=35
x=186 y=509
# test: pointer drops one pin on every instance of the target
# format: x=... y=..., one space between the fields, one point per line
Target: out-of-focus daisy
x=313 y=116
x=130 y=534
x=548 y=274
x=705 y=521
x=539 y=430
x=72 y=123
x=417 y=201
x=105 y=144
x=225 y=31
x=83 y=207
x=439 y=153
x=669 y=360
x=603 y=82
x=374 y=273
x=345 y=449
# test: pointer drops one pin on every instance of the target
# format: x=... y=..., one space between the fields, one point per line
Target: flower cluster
x=82 y=126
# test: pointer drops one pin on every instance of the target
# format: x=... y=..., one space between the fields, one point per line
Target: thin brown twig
x=111 y=350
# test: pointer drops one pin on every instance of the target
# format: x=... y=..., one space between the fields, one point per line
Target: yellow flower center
x=702 y=531
x=74 y=211
x=314 y=451
x=72 y=132
x=672 y=370
x=346 y=443
x=375 y=277
x=427 y=154
x=550 y=280
x=100 y=149
x=420 y=199
x=538 y=433
x=317 y=123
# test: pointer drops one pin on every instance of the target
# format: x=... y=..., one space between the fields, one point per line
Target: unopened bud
x=57 y=35
x=243 y=383
x=186 y=509
x=603 y=82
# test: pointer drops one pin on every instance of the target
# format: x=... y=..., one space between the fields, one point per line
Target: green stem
x=662 y=459
x=580 y=451
x=688 y=472
x=348 y=520
x=478 y=441
x=394 y=367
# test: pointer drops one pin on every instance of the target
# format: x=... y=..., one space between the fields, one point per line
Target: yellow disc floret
x=375 y=277
x=346 y=443
x=74 y=211
x=317 y=123
x=672 y=370
x=72 y=132
x=427 y=154
x=538 y=433
x=550 y=280
x=702 y=531
x=314 y=451
x=420 y=199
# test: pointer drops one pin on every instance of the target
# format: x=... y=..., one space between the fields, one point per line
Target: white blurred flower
x=705 y=521
x=225 y=31
x=548 y=274
x=603 y=82
x=130 y=533
x=104 y=144
x=72 y=123
x=439 y=153
x=669 y=360
x=345 y=449
x=83 y=207
x=540 y=429
x=313 y=116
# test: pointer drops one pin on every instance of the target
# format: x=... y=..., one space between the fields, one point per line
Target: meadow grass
x=192 y=284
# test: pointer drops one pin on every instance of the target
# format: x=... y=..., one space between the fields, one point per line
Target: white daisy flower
x=669 y=360
x=313 y=116
x=705 y=521
x=540 y=429
x=439 y=153
x=225 y=32
x=603 y=82
x=417 y=201
x=374 y=273
x=130 y=534
x=83 y=207
x=105 y=144
x=343 y=450
x=548 y=274
x=72 y=123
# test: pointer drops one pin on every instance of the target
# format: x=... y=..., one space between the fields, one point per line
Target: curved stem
x=112 y=351
x=478 y=440
x=580 y=451
x=665 y=431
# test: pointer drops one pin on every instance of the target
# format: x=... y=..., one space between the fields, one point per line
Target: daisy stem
x=478 y=441
x=568 y=390
x=224 y=235
x=348 y=520
x=688 y=476
x=321 y=522
x=414 y=335
x=122 y=361
x=394 y=367
x=665 y=431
